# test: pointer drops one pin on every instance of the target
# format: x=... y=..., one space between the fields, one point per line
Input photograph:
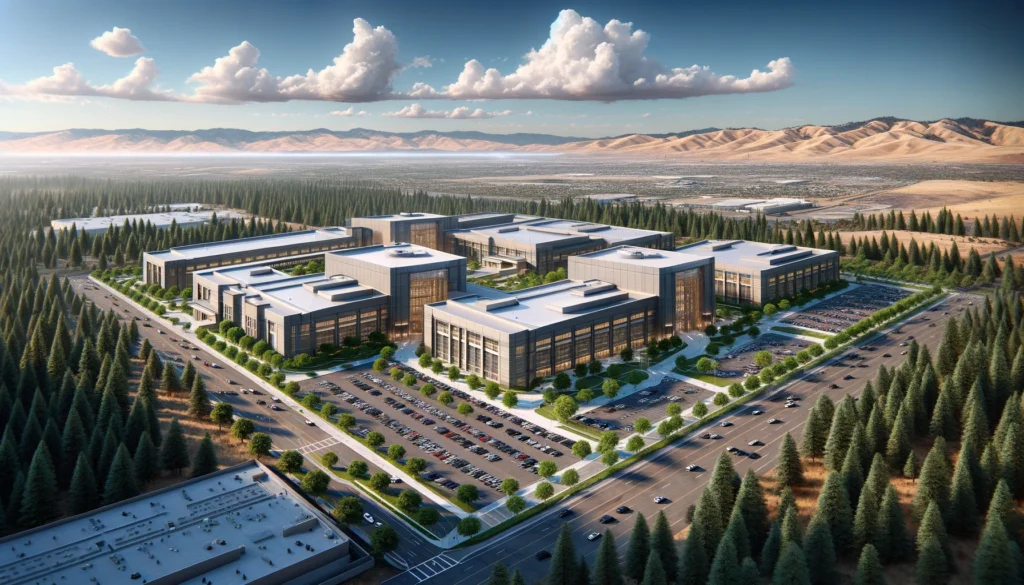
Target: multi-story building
x=242 y=524
x=186 y=216
x=756 y=273
x=614 y=299
x=293 y=314
x=422 y=229
x=174 y=267
x=547 y=244
x=410 y=275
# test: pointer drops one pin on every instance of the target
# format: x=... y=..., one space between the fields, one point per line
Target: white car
x=369 y=519
x=593 y=536
x=773 y=421
x=310 y=423
x=757 y=412
x=659 y=499
x=691 y=467
x=754 y=443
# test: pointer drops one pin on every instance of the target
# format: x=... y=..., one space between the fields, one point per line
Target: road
x=286 y=427
x=663 y=474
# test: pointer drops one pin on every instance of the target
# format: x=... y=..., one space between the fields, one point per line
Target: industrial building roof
x=543 y=230
x=397 y=255
x=612 y=234
x=634 y=256
x=254 y=244
x=237 y=525
x=752 y=255
x=162 y=219
x=539 y=306
x=405 y=216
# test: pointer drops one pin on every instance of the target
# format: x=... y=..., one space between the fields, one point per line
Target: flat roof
x=397 y=255
x=404 y=216
x=634 y=256
x=210 y=519
x=752 y=255
x=542 y=230
x=610 y=233
x=163 y=218
x=522 y=234
x=254 y=243
x=539 y=306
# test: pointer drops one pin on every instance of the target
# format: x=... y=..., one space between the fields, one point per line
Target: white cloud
x=66 y=80
x=645 y=115
x=119 y=42
x=423 y=61
x=362 y=73
x=349 y=112
x=584 y=61
x=459 y=113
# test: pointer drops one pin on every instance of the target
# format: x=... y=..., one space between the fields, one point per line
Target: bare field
x=968 y=198
x=942 y=241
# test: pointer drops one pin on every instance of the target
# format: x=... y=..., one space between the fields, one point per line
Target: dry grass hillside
x=942 y=241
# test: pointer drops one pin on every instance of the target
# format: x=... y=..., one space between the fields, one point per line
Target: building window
x=303 y=342
x=424 y=234
x=325 y=331
x=456 y=354
x=367 y=324
x=582 y=345
x=620 y=341
x=746 y=289
x=689 y=300
x=491 y=359
x=347 y=327
x=563 y=351
x=601 y=347
x=636 y=330
x=474 y=349
x=542 y=358
x=430 y=286
x=272 y=334
x=519 y=369
x=441 y=341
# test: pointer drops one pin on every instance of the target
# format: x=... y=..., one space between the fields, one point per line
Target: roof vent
x=637 y=254
x=407 y=252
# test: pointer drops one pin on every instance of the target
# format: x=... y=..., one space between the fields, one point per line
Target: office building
x=293 y=314
x=185 y=218
x=421 y=229
x=242 y=524
x=615 y=298
x=174 y=267
x=410 y=275
x=546 y=244
x=756 y=273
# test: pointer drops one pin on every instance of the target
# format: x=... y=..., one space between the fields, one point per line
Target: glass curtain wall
x=430 y=286
x=689 y=300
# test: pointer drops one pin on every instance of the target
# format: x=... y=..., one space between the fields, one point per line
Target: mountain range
x=879 y=139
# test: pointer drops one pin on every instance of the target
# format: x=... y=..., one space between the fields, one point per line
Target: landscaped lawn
x=691 y=371
x=797 y=331
x=548 y=412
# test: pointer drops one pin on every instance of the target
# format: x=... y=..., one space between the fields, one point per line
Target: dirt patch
x=942 y=241
x=968 y=198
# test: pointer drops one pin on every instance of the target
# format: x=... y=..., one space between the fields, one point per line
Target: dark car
x=623 y=510
x=564 y=513
x=606 y=519
x=542 y=555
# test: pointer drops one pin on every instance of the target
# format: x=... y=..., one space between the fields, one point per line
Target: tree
x=581 y=449
x=751 y=504
x=349 y=510
x=890 y=534
x=375 y=440
x=316 y=482
x=415 y=465
x=427 y=516
x=544 y=490
x=933 y=527
x=174 y=450
x=396 y=452
x=515 y=504
x=763 y=358
x=962 y=516
x=565 y=407
x=642 y=425
x=383 y=539
x=446 y=398
x=290 y=461
x=492 y=390
x=792 y=567
x=995 y=560
x=610 y=388
x=199 y=406
x=380 y=364
x=454 y=373
x=499 y=575
x=815 y=435
x=700 y=410
x=82 y=495
x=770 y=550
x=547 y=468
x=610 y=457
x=121 y=483
x=222 y=414
x=562 y=570
x=474 y=382
x=205 y=461
x=607 y=570
x=639 y=547
x=869 y=568
x=329 y=459
x=931 y=568
x=40 y=490
x=911 y=467
x=259 y=445
x=834 y=508
x=467 y=493
x=820 y=553
x=663 y=546
x=790 y=471
x=654 y=572
x=345 y=421
x=146 y=461
x=635 y=444
x=358 y=469
x=725 y=569
x=706 y=365
x=934 y=481
x=169 y=381
x=464 y=408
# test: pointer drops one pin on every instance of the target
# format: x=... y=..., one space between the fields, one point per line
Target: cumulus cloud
x=582 y=60
x=119 y=42
x=423 y=61
x=138 y=85
x=459 y=113
x=349 y=112
x=362 y=73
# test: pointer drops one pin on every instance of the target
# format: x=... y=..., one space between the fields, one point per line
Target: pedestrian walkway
x=317 y=446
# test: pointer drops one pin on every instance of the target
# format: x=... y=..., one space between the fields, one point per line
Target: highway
x=286 y=427
x=664 y=474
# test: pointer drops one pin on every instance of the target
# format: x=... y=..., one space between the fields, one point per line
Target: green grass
x=796 y=331
x=389 y=497
x=548 y=412
x=593 y=381
x=691 y=371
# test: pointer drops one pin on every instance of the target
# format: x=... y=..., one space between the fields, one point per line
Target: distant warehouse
x=242 y=524
x=185 y=219
x=765 y=206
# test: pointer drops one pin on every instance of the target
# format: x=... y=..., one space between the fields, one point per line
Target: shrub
x=311 y=401
x=736 y=390
x=509 y=399
x=425 y=360
x=277 y=378
x=445 y=398
x=234 y=334
x=242 y=358
x=720 y=399
x=770 y=310
x=580 y=370
x=454 y=373
x=328 y=409
x=387 y=352
x=264 y=370
x=259 y=347
x=815 y=350
x=396 y=374
x=614 y=371
x=710 y=330
x=594 y=367
x=231 y=352
x=428 y=390
x=492 y=390
x=700 y=410
x=291 y=388
x=752 y=383
x=220 y=346
x=544 y=490
x=626 y=354
x=380 y=364
x=562 y=381
x=473 y=381
x=712 y=349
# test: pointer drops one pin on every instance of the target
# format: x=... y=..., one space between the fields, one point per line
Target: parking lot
x=649 y=403
x=482 y=448
x=834 y=314
x=739 y=362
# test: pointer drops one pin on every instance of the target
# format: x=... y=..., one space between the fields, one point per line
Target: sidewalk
x=342 y=437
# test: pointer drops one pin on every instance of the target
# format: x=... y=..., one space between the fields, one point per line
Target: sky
x=584 y=69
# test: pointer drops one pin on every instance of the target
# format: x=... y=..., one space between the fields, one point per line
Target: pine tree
x=40 y=491
x=994 y=561
x=708 y=519
x=911 y=468
x=174 y=451
x=1011 y=460
x=843 y=423
x=199 y=406
x=583 y=572
x=169 y=381
x=693 y=564
x=499 y=574
x=749 y=574
x=517 y=578
x=722 y=486
x=943 y=422
x=962 y=516
x=663 y=545
x=853 y=470
x=121 y=483
x=563 y=561
x=654 y=574
x=606 y=567
x=792 y=567
x=820 y=553
x=815 y=436
x=725 y=569
x=188 y=375
x=751 y=503
x=72 y=442
x=790 y=471
x=791 y=529
x=82 y=495
x=890 y=534
x=869 y=568
x=639 y=547
x=932 y=526
x=834 y=509
x=770 y=550
x=737 y=532
x=146 y=461
x=934 y=482
x=931 y=566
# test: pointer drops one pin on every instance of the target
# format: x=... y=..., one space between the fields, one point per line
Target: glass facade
x=430 y=286
x=425 y=234
x=689 y=300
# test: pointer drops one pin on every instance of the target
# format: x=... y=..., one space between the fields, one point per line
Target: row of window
x=334 y=330
x=468 y=350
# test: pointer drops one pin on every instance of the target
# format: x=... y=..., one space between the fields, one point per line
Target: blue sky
x=919 y=60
